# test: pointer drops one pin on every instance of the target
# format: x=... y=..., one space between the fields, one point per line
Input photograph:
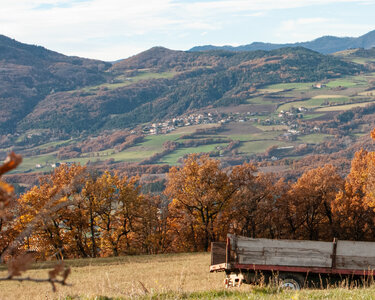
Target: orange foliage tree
x=200 y=193
x=118 y=214
x=11 y=238
x=354 y=205
x=49 y=209
x=252 y=204
x=8 y=207
x=97 y=216
x=309 y=204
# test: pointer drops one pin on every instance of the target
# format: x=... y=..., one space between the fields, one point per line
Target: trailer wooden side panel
x=218 y=253
x=282 y=252
x=355 y=255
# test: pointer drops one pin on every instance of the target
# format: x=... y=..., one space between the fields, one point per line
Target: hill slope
x=45 y=90
x=162 y=83
x=30 y=73
x=325 y=44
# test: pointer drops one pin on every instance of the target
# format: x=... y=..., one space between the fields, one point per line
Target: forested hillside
x=30 y=73
x=45 y=90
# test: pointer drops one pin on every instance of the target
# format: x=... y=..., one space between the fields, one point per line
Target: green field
x=346 y=82
x=272 y=127
x=54 y=144
x=164 y=276
x=29 y=163
x=152 y=144
x=314 y=138
x=361 y=60
x=156 y=142
x=173 y=157
x=270 y=90
x=312 y=103
x=259 y=101
x=267 y=135
x=287 y=86
x=259 y=146
x=122 y=80
x=312 y=116
x=343 y=107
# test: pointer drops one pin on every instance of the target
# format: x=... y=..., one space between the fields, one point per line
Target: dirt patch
x=239 y=128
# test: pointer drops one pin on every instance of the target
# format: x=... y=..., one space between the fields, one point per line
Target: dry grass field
x=175 y=276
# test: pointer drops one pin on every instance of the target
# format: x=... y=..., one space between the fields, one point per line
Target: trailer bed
x=337 y=257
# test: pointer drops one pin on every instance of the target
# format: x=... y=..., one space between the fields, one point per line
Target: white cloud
x=72 y=25
x=293 y=25
x=258 y=5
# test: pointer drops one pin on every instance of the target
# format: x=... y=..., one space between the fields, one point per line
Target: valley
x=153 y=109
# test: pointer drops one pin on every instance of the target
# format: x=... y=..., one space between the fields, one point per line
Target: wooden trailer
x=292 y=262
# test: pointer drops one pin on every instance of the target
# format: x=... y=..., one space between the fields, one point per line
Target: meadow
x=166 y=276
x=122 y=80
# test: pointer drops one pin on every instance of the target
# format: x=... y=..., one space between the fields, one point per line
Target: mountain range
x=44 y=90
x=325 y=44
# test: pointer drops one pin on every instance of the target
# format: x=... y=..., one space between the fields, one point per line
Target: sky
x=116 y=29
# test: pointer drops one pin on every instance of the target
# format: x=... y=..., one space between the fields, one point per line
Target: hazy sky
x=115 y=29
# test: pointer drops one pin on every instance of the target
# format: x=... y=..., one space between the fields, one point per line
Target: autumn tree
x=308 y=209
x=118 y=206
x=8 y=207
x=252 y=203
x=152 y=227
x=354 y=205
x=17 y=261
x=49 y=208
x=200 y=192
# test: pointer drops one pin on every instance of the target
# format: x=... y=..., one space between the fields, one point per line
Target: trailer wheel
x=291 y=281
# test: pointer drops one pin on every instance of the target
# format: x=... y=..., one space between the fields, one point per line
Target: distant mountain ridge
x=324 y=45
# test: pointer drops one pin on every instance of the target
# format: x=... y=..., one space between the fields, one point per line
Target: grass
x=122 y=277
x=329 y=97
x=156 y=142
x=258 y=146
x=165 y=276
x=173 y=157
x=312 y=103
x=122 y=81
x=28 y=163
x=267 y=135
x=314 y=138
x=361 y=60
x=259 y=101
x=54 y=144
x=312 y=116
x=346 y=82
x=130 y=156
x=287 y=86
x=271 y=90
x=343 y=107
x=368 y=93
x=272 y=127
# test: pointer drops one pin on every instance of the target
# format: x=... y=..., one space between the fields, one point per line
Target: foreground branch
x=50 y=280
